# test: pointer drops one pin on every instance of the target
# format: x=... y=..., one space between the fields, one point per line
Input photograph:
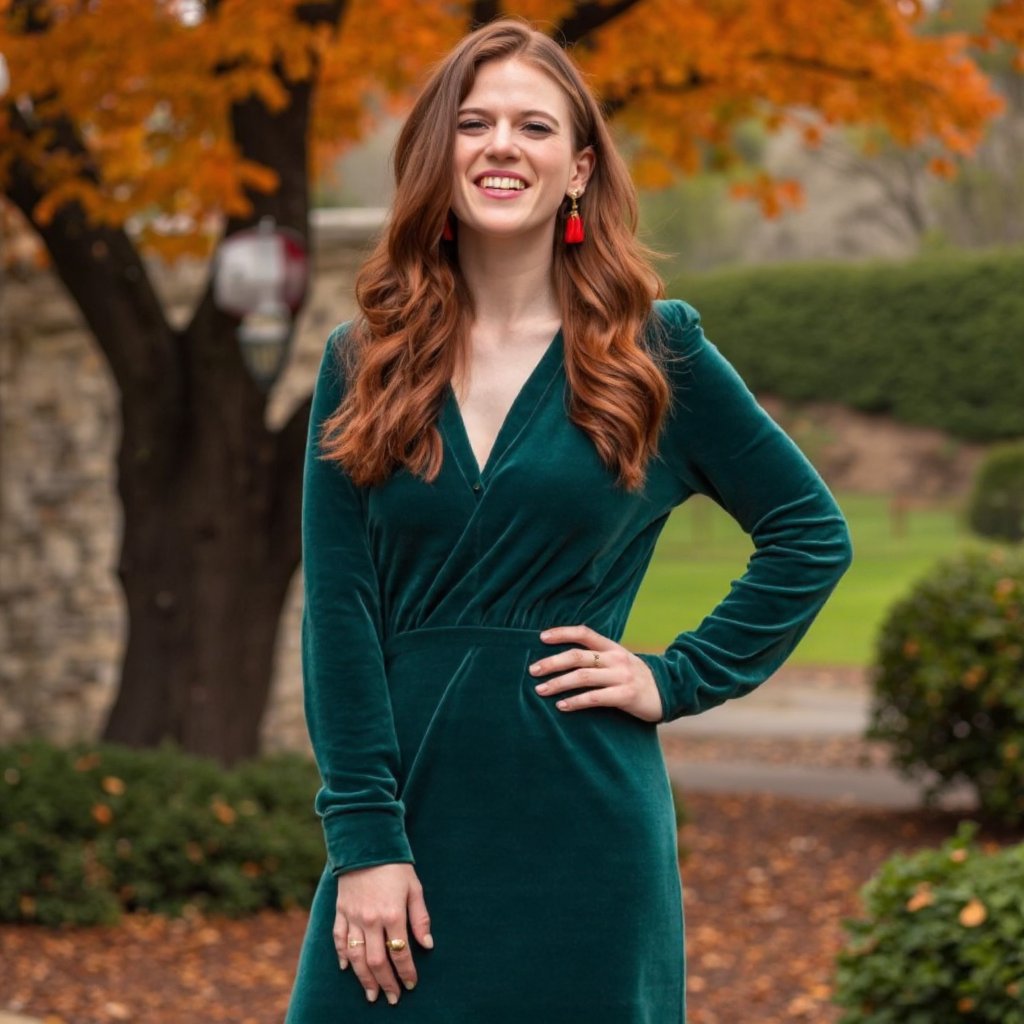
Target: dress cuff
x=362 y=839
x=671 y=707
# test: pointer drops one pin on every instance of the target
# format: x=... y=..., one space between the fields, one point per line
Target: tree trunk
x=211 y=543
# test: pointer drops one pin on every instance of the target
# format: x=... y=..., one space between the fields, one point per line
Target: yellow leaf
x=973 y=914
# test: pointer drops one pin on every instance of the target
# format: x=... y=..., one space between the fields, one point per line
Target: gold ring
x=395 y=944
x=357 y=942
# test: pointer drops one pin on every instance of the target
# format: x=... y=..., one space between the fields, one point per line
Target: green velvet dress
x=545 y=840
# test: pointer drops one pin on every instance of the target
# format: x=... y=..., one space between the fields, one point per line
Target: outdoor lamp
x=260 y=276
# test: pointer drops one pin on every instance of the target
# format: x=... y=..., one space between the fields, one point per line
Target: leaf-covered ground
x=766 y=882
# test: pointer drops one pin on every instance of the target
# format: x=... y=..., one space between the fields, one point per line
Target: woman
x=495 y=445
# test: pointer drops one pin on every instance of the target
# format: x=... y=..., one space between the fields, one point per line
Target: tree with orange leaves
x=168 y=116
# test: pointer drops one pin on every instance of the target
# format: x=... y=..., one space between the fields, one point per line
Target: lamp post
x=260 y=276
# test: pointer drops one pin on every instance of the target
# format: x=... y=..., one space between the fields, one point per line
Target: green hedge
x=91 y=830
x=938 y=341
x=942 y=939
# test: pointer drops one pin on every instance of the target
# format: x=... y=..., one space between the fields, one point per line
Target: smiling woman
x=495 y=445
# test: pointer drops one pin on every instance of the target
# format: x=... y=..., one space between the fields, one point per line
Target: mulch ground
x=766 y=883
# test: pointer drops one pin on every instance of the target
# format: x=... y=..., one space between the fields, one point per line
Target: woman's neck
x=510 y=280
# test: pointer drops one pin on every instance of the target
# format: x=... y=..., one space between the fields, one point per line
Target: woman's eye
x=534 y=126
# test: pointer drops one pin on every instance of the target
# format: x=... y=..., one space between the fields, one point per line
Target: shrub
x=942 y=940
x=91 y=830
x=996 y=505
x=948 y=694
x=933 y=341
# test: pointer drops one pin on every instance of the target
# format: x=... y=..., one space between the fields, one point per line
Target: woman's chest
x=544 y=487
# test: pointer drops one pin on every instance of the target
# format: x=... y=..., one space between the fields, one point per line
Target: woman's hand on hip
x=373 y=905
x=619 y=679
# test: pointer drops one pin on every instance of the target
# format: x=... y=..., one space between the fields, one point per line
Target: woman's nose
x=502 y=140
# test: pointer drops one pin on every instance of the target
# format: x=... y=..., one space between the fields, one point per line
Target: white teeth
x=506 y=183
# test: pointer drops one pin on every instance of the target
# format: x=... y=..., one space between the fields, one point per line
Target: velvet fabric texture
x=545 y=840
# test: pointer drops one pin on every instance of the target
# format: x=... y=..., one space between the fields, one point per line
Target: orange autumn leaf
x=223 y=812
x=113 y=785
x=973 y=914
x=923 y=897
x=87 y=762
x=102 y=813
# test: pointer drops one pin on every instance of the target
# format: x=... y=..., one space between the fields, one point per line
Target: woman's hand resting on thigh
x=373 y=905
x=619 y=678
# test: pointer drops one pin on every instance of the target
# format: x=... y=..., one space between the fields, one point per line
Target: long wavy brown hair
x=416 y=311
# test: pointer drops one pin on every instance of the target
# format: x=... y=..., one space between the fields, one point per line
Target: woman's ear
x=583 y=168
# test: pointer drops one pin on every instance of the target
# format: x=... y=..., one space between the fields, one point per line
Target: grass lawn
x=702 y=549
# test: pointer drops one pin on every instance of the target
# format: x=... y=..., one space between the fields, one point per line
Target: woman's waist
x=466 y=636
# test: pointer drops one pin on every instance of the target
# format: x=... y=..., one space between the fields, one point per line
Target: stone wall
x=62 y=616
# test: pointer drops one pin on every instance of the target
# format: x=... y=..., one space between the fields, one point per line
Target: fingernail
x=410 y=985
x=541 y=687
x=392 y=998
x=428 y=941
x=371 y=994
x=344 y=963
x=534 y=668
x=545 y=634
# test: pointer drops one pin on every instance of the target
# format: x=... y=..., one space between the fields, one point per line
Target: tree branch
x=588 y=18
x=102 y=271
x=481 y=12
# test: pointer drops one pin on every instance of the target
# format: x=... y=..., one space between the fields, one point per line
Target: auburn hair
x=416 y=312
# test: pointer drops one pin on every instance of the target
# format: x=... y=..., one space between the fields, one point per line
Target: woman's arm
x=347 y=704
x=721 y=443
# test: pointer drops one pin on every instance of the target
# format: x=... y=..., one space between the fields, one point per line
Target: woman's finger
x=341 y=938
x=583 y=669
x=402 y=958
x=604 y=696
x=577 y=634
x=357 y=957
x=378 y=960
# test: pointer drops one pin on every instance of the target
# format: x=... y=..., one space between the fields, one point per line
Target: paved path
x=794 y=706
x=874 y=787
x=784 y=706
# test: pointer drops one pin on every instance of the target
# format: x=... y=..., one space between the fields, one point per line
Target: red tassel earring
x=574 y=223
x=448 y=235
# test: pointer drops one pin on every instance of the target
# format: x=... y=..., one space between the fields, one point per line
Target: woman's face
x=515 y=122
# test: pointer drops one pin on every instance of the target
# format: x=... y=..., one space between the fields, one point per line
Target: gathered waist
x=468 y=636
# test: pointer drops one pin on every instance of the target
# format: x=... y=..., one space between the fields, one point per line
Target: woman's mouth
x=501 y=187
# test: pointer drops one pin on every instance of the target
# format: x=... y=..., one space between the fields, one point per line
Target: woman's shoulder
x=336 y=358
x=678 y=326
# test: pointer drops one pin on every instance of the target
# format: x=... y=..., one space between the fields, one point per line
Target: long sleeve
x=347 y=703
x=721 y=443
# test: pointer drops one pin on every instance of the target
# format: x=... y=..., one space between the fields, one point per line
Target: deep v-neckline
x=516 y=417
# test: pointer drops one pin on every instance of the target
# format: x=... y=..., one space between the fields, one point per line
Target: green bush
x=90 y=830
x=948 y=680
x=934 y=341
x=996 y=506
x=942 y=940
